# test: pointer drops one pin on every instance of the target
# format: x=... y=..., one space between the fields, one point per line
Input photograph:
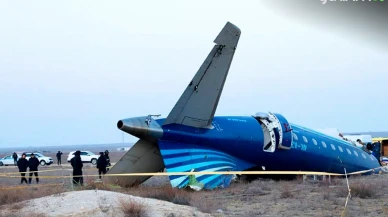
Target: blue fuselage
x=242 y=137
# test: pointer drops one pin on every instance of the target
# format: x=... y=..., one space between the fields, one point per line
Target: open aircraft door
x=384 y=145
x=276 y=129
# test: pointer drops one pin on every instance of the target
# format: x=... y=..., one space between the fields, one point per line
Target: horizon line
x=44 y=146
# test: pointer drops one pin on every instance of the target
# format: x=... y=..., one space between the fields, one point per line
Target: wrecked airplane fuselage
x=191 y=138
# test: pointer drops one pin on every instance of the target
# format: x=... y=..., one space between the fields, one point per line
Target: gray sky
x=69 y=70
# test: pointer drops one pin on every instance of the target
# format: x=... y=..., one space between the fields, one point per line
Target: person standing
x=101 y=164
x=107 y=160
x=15 y=158
x=33 y=164
x=59 y=155
x=23 y=165
x=77 y=165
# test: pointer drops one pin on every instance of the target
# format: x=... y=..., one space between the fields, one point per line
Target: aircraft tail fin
x=198 y=103
x=143 y=157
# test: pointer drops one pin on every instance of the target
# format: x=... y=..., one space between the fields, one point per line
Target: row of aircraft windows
x=332 y=146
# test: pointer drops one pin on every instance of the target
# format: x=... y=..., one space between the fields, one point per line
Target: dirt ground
x=294 y=198
x=258 y=198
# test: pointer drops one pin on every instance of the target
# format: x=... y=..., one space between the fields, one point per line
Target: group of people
x=103 y=162
x=359 y=143
x=32 y=163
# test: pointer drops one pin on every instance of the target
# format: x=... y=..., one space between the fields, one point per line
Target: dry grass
x=286 y=191
x=364 y=190
x=207 y=205
x=166 y=193
x=263 y=197
x=17 y=206
x=187 y=197
x=327 y=194
x=132 y=208
x=268 y=197
x=119 y=181
x=18 y=194
x=90 y=183
x=18 y=214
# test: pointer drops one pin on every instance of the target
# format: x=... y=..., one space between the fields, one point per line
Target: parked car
x=7 y=160
x=42 y=159
x=86 y=157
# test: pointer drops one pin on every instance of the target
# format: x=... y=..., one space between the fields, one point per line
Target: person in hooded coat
x=15 y=158
x=33 y=164
x=59 y=155
x=101 y=164
x=77 y=165
x=23 y=165
x=107 y=159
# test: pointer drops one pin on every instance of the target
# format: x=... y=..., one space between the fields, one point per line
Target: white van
x=86 y=157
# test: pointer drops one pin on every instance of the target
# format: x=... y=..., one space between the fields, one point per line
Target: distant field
x=54 y=149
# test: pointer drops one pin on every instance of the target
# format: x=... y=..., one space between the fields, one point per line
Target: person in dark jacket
x=77 y=165
x=101 y=164
x=107 y=160
x=15 y=158
x=33 y=164
x=23 y=165
x=59 y=155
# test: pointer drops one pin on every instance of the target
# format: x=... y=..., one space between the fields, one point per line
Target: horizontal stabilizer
x=198 y=103
x=182 y=157
x=143 y=157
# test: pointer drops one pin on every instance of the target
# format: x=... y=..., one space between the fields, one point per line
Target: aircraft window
x=295 y=136
x=324 y=144
x=315 y=142
x=332 y=147
x=305 y=139
x=340 y=149
x=349 y=151
x=355 y=153
x=363 y=155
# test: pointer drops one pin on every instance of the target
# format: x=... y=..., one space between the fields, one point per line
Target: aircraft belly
x=186 y=157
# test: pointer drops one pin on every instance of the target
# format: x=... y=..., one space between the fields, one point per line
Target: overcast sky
x=69 y=70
